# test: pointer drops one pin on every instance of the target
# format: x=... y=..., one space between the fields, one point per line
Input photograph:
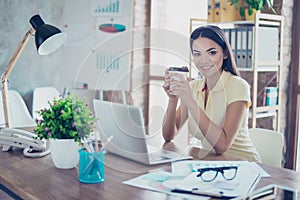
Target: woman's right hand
x=166 y=86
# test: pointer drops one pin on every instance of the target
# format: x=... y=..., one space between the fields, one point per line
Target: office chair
x=19 y=114
x=269 y=145
x=41 y=96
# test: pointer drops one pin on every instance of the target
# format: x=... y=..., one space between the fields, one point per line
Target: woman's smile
x=206 y=67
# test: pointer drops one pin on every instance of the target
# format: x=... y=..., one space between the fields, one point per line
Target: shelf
x=261 y=69
x=267 y=108
x=235 y=24
x=267 y=68
x=272 y=21
x=268 y=63
x=265 y=111
x=269 y=23
x=264 y=114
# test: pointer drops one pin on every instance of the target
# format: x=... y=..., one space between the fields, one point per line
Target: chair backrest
x=19 y=114
x=41 y=96
x=269 y=145
x=2 y=120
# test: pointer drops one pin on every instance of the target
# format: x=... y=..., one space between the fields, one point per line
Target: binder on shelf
x=239 y=61
x=227 y=34
x=243 y=40
x=223 y=11
x=232 y=41
x=271 y=96
x=249 y=55
x=242 y=45
x=228 y=13
x=217 y=11
x=210 y=10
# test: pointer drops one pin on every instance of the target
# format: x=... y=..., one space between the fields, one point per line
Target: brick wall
x=140 y=68
x=287 y=12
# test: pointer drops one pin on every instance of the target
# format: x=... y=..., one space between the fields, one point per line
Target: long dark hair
x=217 y=35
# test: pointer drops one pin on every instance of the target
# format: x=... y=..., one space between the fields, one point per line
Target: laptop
x=126 y=124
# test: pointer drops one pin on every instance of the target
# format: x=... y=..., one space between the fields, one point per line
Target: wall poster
x=98 y=49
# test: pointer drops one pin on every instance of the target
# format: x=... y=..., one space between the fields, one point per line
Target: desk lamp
x=47 y=39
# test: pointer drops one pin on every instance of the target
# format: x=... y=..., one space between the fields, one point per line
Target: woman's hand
x=174 y=118
x=167 y=83
x=179 y=87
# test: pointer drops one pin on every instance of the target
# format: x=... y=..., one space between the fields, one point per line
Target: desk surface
x=37 y=178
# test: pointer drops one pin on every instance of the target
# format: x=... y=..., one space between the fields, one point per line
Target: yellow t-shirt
x=228 y=89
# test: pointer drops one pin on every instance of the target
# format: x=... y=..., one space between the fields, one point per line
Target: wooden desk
x=37 y=178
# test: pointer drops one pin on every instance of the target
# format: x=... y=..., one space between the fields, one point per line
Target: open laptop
x=126 y=124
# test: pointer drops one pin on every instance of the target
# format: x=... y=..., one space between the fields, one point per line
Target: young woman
x=216 y=106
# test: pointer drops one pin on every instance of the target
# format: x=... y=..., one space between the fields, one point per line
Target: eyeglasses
x=210 y=173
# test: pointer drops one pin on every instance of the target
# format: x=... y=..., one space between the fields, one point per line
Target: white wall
x=170 y=23
x=31 y=70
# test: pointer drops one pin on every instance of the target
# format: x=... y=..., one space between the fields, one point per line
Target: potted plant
x=248 y=6
x=66 y=121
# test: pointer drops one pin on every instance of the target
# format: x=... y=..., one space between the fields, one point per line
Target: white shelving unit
x=257 y=50
x=260 y=65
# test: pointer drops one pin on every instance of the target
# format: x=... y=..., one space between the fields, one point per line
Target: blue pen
x=91 y=146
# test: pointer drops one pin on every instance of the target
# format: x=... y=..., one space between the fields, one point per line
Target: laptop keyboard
x=158 y=157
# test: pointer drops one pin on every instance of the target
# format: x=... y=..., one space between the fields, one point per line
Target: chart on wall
x=98 y=49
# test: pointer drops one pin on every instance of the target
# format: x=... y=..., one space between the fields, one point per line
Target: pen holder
x=91 y=166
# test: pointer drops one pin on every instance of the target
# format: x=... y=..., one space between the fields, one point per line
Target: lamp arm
x=6 y=74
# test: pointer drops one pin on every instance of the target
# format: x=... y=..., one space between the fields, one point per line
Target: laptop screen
x=125 y=123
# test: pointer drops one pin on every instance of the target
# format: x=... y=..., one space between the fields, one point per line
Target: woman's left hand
x=180 y=87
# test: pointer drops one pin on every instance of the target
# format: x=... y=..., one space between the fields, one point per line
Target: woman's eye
x=196 y=54
x=212 y=53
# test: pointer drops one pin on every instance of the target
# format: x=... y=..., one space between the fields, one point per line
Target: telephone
x=10 y=137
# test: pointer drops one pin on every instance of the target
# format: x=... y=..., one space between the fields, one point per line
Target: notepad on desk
x=241 y=186
x=246 y=177
x=183 y=180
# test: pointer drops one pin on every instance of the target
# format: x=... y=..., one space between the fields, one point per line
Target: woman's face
x=208 y=56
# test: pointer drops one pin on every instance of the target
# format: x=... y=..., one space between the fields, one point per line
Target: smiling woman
x=216 y=107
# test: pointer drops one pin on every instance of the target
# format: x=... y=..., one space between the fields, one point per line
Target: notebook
x=126 y=124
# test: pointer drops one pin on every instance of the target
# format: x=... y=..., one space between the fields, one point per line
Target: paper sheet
x=184 y=168
x=248 y=175
x=183 y=177
x=161 y=181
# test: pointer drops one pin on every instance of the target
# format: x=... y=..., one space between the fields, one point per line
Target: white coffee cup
x=178 y=70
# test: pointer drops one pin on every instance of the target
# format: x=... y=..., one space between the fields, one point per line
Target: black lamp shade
x=47 y=37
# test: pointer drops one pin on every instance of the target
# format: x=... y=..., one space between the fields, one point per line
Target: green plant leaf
x=250 y=11
x=249 y=2
x=260 y=5
x=65 y=119
x=235 y=3
x=242 y=11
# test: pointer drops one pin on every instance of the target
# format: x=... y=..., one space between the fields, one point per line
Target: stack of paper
x=183 y=180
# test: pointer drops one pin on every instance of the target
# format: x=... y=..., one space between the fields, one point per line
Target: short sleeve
x=239 y=90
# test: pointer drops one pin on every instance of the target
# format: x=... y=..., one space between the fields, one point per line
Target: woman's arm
x=173 y=120
x=220 y=138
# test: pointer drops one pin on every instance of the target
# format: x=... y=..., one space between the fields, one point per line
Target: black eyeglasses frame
x=217 y=170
